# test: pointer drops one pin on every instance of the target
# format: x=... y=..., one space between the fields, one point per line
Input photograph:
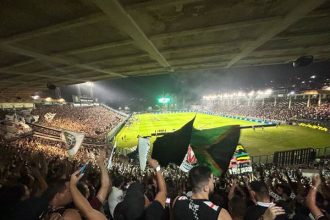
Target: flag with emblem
x=189 y=161
x=215 y=147
x=72 y=140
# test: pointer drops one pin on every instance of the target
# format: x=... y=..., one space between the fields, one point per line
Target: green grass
x=257 y=142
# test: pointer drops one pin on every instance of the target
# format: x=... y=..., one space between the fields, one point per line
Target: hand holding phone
x=83 y=169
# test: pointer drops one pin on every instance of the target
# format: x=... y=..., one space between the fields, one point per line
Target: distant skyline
x=193 y=85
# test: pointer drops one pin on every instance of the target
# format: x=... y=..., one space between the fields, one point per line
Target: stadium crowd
x=39 y=181
x=298 y=111
x=94 y=121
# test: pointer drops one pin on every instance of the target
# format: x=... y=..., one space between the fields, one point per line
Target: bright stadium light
x=48 y=99
x=164 y=100
x=268 y=91
x=35 y=97
x=61 y=100
x=89 y=83
x=251 y=93
x=292 y=93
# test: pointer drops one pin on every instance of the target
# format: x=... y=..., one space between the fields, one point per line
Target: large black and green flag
x=215 y=147
x=172 y=147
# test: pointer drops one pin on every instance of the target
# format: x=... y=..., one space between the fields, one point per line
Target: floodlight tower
x=164 y=101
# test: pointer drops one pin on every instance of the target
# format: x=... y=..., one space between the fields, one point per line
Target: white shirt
x=115 y=197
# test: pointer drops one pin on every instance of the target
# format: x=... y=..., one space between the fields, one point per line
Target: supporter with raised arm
x=81 y=202
x=97 y=201
x=311 y=199
x=133 y=205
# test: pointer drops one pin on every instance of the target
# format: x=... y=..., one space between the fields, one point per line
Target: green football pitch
x=257 y=142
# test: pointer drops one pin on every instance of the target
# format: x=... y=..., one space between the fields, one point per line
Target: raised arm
x=105 y=179
x=81 y=202
x=162 y=191
x=311 y=198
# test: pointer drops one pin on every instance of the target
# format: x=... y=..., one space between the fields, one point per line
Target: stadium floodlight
x=35 y=97
x=313 y=77
x=164 y=100
x=291 y=93
x=89 y=83
x=251 y=93
x=268 y=91
x=61 y=100
x=48 y=99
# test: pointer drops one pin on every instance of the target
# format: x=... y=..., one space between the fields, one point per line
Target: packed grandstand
x=35 y=168
x=165 y=110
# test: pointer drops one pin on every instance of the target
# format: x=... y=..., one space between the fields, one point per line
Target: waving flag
x=215 y=147
x=189 y=161
x=72 y=140
x=143 y=148
x=172 y=147
x=111 y=155
x=49 y=117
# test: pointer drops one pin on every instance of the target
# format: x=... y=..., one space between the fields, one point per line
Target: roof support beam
x=90 y=19
x=54 y=59
x=124 y=22
x=154 y=4
x=76 y=80
x=300 y=11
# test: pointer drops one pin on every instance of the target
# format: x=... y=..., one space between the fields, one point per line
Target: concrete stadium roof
x=73 y=41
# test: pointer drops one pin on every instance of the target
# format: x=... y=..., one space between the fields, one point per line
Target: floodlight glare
x=164 y=100
x=268 y=91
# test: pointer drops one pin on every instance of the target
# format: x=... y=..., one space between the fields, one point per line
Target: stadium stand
x=298 y=112
x=94 y=121
x=31 y=167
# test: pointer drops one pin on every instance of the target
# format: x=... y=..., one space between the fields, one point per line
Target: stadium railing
x=114 y=110
x=266 y=159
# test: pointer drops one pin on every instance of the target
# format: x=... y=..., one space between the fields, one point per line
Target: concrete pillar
x=78 y=90
x=275 y=101
x=58 y=93
x=320 y=100
x=91 y=91
x=248 y=102
x=308 y=101
x=263 y=101
x=290 y=102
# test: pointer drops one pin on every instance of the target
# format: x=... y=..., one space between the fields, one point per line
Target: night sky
x=193 y=85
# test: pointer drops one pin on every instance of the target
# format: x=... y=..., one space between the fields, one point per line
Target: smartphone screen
x=168 y=200
x=83 y=169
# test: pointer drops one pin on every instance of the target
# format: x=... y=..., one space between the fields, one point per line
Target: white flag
x=73 y=141
x=36 y=118
x=49 y=116
x=189 y=161
x=143 y=146
x=111 y=155
x=10 y=117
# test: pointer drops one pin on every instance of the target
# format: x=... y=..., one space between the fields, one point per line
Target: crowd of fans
x=94 y=121
x=298 y=111
x=39 y=181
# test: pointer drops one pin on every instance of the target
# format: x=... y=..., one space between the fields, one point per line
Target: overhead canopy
x=72 y=41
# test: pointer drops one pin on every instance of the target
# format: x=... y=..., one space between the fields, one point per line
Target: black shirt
x=154 y=211
x=256 y=211
x=202 y=209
